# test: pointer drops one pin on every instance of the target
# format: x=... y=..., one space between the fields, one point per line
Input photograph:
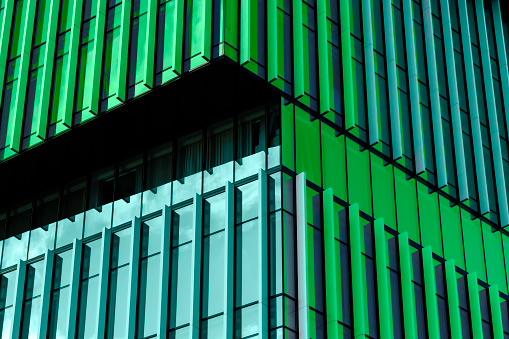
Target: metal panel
x=452 y=299
x=496 y=313
x=19 y=103
x=245 y=31
x=41 y=114
x=436 y=115
x=384 y=308
x=323 y=56
x=457 y=132
x=19 y=300
x=407 y=295
x=263 y=260
x=134 y=273
x=329 y=245
x=475 y=308
x=271 y=40
x=196 y=271
x=46 y=294
x=492 y=115
x=5 y=34
x=302 y=283
x=359 y=323
x=369 y=61
x=98 y=58
x=298 y=49
x=124 y=49
x=430 y=292
x=346 y=61
x=392 y=80
x=413 y=82
x=75 y=287
x=178 y=37
x=165 y=271
x=229 y=285
x=502 y=56
x=104 y=275
x=474 y=112
x=72 y=65
x=151 y=43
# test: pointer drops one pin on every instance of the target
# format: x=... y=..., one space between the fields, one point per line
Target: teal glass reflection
x=156 y=198
x=41 y=240
x=246 y=202
x=247 y=249
x=15 y=248
x=151 y=236
x=183 y=225
x=213 y=328
x=121 y=248
x=88 y=306
x=217 y=177
x=274 y=157
x=59 y=305
x=213 y=274
x=69 y=229
x=214 y=211
x=98 y=218
x=32 y=304
x=246 y=321
x=249 y=166
x=117 y=303
x=148 y=297
x=180 y=290
x=7 y=289
x=274 y=191
x=124 y=210
x=89 y=290
x=181 y=333
x=191 y=186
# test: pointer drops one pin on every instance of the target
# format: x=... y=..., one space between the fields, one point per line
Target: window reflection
x=59 y=305
x=7 y=289
x=32 y=305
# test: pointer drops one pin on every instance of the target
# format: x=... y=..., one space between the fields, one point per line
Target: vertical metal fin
x=104 y=274
x=46 y=294
x=475 y=307
x=302 y=283
x=229 y=286
x=19 y=300
x=263 y=266
x=383 y=291
x=75 y=287
x=196 y=271
x=430 y=292
x=134 y=273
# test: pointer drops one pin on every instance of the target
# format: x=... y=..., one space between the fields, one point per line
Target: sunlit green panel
x=492 y=116
x=359 y=322
x=231 y=9
x=384 y=202
x=438 y=137
x=298 y=48
x=359 y=183
x=168 y=44
x=475 y=308
x=406 y=205
x=496 y=314
x=245 y=31
x=370 y=72
x=96 y=62
x=473 y=241
x=346 y=62
x=409 y=321
x=288 y=135
x=414 y=87
x=41 y=114
x=150 y=38
x=123 y=49
x=494 y=257
x=429 y=217
x=85 y=79
x=333 y=161
x=5 y=32
x=323 y=53
x=430 y=292
x=472 y=103
x=452 y=298
x=451 y=231
x=307 y=144
x=272 y=40
x=19 y=108
x=198 y=29
x=383 y=290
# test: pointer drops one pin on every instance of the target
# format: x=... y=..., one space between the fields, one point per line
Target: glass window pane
x=180 y=296
x=183 y=226
x=214 y=213
x=247 y=248
x=118 y=296
x=246 y=202
x=148 y=297
x=69 y=229
x=213 y=274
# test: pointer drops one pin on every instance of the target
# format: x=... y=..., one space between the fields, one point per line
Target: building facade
x=254 y=169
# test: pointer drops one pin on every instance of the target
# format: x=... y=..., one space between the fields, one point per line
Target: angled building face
x=242 y=169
